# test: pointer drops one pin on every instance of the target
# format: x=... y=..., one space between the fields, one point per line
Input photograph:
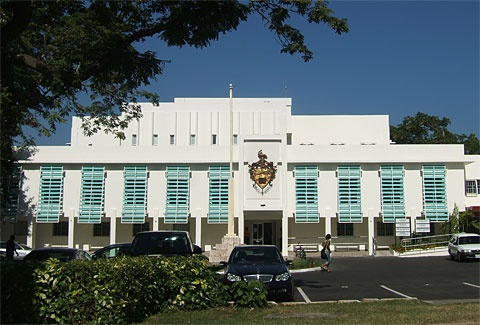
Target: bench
x=308 y=248
x=349 y=246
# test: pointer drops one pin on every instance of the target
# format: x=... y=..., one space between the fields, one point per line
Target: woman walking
x=326 y=248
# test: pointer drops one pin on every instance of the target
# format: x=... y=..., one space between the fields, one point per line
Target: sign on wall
x=422 y=226
x=262 y=173
x=402 y=227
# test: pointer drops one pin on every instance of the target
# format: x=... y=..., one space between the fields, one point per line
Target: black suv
x=165 y=243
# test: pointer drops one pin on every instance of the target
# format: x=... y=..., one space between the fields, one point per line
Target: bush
x=249 y=294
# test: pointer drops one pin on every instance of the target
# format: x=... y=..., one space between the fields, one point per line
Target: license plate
x=477 y=255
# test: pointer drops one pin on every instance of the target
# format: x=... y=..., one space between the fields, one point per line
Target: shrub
x=249 y=294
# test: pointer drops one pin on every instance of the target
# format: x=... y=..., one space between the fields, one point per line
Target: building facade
x=295 y=179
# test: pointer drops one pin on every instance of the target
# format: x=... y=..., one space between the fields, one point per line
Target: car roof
x=57 y=249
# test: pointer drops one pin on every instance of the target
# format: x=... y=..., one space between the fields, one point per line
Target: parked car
x=165 y=243
x=63 y=254
x=262 y=263
x=22 y=250
x=113 y=250
x=463 y=246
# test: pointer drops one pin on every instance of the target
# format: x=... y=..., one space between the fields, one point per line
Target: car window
x=256 y=256
x=469 y=240
x=160 y=243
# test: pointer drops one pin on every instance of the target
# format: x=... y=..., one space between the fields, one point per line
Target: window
x=393 y=204
x=101 y=229
x=349 y=194
x=134 y=139
x=434 y=193
x=289 y=139
x=344 y=229
x=10 y=204
x=214 y=139
x=218 y=194
x=60 y=228
x=193 y=139
x=172 y=139
x=385 y=229
x=155 y=140
x=92 y=194
x=50 y=200
x=306 y=194
x=134 y=194
x=177 y=201
x=471 y=187
x=235 y=139
x=139 y=227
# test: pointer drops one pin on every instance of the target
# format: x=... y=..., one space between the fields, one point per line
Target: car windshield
x=160 y=243
x=43 y=255
x=267 y=255
x=469 y=240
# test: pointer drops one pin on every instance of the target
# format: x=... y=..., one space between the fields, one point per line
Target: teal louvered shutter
x=177 y=201
x=306 y=194
x=50 y=200
x=434 y=193
x=92 y=194
x=218 y=194
x=135 y=194
x=12 y=197
x=392 y=192
x=349 y=194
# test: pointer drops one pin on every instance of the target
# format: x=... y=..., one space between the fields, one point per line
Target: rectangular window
x=344 y=229
x=193 y=139
x=101 y=229
x=218 y=194
x=50 y=200
x=434 y=193
x=60 y=228
x=92 y=194
x=385 y=229
x=134 y=139
x=172 y=139
x=134 y=194
x=289 y=139
x=349 y=194
x=177 y=201
x=471 y=188
x=155 y=140
x=139 y=227
x=235 y=139
x=393 y=203
x=12 y=197
x=214 y=139
x=306 y=194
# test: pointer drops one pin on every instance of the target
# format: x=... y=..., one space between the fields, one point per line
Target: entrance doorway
x=263 y=233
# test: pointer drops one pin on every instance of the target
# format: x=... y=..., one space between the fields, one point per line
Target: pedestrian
x=11 y=248
x=246 y=236
x=327 y=256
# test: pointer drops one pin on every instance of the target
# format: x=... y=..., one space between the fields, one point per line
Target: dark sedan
x=63 y=254
x=112 y=250
x=262 y=263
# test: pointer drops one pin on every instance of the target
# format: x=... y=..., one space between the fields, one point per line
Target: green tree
x=52 y=52
x=427 y=129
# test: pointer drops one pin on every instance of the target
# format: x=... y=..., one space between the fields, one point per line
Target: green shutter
x=349 y=194
x=177 y=202
x=393 y=201
x=134 y=194
x=434 y=193
x=12 y=197
x=50 y=200
x=306 y=194
x=92 y=194
x=218 y=194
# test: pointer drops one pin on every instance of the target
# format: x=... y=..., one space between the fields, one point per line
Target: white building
x=314 y=175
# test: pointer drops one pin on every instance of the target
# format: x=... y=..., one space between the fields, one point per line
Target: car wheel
x=459 y=257
x=451 y=255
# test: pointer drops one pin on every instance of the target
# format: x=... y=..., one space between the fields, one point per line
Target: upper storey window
x=134 y=139
x=193 y=139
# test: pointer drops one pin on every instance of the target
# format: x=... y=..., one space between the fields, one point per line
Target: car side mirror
x=197 y=249
x=289 y=262
x=223 y=263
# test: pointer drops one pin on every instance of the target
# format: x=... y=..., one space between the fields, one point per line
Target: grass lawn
x=376 y=312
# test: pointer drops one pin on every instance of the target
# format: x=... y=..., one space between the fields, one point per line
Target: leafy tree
x=427 y=129
x=464 y=221
x=52 y=52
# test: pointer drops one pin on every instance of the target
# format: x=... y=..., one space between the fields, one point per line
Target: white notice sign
x=422 y=226
x=402 y=227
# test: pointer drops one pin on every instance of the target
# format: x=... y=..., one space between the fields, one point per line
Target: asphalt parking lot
x=432 y=279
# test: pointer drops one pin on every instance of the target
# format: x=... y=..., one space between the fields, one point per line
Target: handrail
x=439 y=240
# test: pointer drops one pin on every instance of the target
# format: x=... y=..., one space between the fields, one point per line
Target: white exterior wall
x=261 y=124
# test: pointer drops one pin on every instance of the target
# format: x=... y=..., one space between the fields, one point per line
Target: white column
x=156 y=216
x=71 y=228
x=328 y=222
x=371 y=231
x=231 y=218
x=113 y=229
x=284 y=233
x=198 y=227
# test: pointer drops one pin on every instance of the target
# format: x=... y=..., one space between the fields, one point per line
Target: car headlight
x=283 y=277
x=465 y=251
x=233 y=277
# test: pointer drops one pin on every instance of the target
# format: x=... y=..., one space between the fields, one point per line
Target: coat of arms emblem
x=262 y=173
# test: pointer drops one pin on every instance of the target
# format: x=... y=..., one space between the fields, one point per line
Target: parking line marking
x=305 y=297
x=472 y=285
x=396 y=292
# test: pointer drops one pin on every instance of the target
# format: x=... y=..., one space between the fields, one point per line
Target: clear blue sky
x=399 y=58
